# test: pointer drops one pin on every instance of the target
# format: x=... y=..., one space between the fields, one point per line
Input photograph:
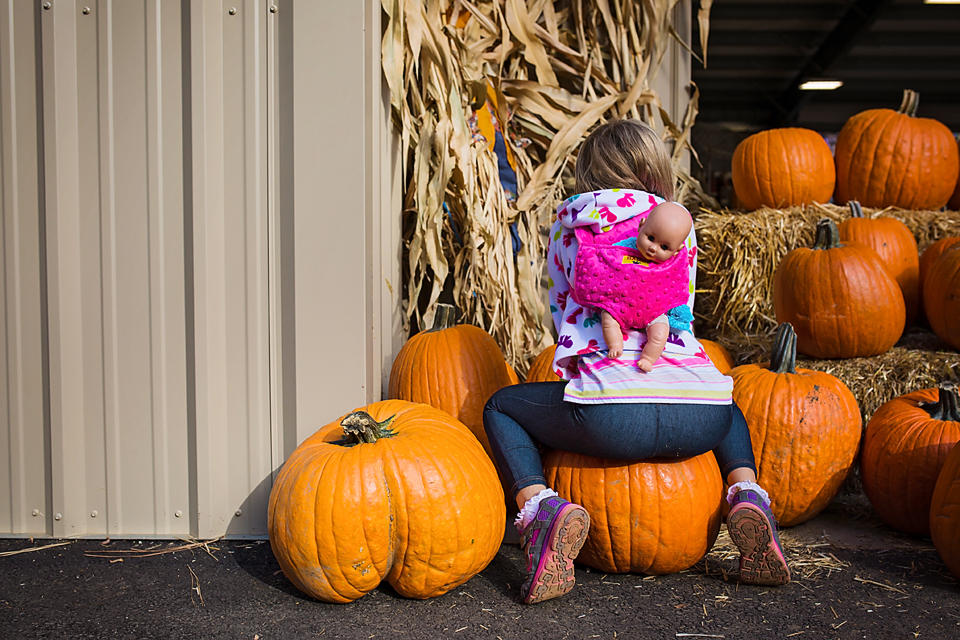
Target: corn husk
x=739 y=254
x=553 y=71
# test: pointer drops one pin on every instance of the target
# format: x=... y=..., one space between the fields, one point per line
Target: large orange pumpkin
x=655 y=516
x=930 y=254
x=841 y=300
x=541 y=370
x=888 y=158
x=941 y=295
x=904 y=447
x=718 y=355
x=894 y=243
x=451 y=367
x=395 y=491
x=804 y=428
x=954 y=202
x=783 y=168
x=945 y=512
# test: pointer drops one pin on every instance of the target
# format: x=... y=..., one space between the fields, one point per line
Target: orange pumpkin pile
x=395 y=491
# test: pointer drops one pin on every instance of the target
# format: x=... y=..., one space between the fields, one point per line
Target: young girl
x=605 y=408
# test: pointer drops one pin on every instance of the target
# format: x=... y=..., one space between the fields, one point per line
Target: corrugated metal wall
x=135 y=208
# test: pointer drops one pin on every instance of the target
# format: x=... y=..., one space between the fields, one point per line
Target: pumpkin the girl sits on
x=605 y=407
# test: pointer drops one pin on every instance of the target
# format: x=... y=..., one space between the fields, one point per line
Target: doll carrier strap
x=620 y=281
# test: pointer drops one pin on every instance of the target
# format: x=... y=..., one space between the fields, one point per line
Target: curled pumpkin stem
x=828 y=236
x=444 y=318
x=360 y=427
x=910 y=102
x=784 y=356
x=947 y=408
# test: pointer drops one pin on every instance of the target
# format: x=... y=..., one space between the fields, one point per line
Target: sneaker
x=753 y=529
x=551 y=541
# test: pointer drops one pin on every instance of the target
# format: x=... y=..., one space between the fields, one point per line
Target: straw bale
x=919 y=360
x=740 y=251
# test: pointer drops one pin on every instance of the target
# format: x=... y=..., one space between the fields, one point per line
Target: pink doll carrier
x=618 y=280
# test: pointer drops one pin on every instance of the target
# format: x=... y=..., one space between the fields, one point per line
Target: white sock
x=530 y=508
x=734 y=488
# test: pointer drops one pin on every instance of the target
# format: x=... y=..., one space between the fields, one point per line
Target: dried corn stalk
x=546 y=72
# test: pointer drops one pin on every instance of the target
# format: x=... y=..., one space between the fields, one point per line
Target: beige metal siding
x=23 y=460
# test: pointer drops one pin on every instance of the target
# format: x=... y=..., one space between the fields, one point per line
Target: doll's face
x=663 y=232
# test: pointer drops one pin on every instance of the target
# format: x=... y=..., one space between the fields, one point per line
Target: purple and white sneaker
x=753 y=529
x=551 y=541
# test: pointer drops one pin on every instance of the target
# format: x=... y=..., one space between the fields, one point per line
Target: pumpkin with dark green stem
x=452 y=367
x=839 y=297
x=394 y=491
x=904 y=447
x=894 y=243
x=888 y=158
x=804 y=429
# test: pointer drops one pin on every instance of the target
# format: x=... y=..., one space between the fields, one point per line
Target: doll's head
x=625 y=154
x=664 y=231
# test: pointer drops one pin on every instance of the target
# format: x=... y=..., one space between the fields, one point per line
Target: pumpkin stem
x=360 y=426
x=947 y=408
x=856 y=211
x=444 y=318
x=911 y=100
x=828 y=236
x=784 y=356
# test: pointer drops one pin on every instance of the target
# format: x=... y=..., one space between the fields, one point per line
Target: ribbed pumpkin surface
x=783 y=168
x=941 y=295
x=655 y=516
x=894 y=243
x=887 y=158
x=840 y=298
x=455 y=369
x=903 y=452
x=718 y=355
x=804 y=428
x=422 y=509
x=930 y=254
x=945 y=512
x=541 y=370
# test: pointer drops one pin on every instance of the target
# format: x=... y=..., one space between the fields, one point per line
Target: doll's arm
x=612 y=334
x=657 y=334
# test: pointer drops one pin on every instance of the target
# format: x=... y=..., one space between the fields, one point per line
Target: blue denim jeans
x=521 y=417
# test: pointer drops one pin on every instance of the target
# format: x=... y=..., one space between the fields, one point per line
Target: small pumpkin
x=941 y=295
x=783 y=168
x=904 y=448
x=945 y=512
x=894 y=243
x=804 y=428
x=394 y=491
x=888 y=158
x=452 y=367
x=541 y=369
x=654 y=516
x=718 y=355
x=839 y=297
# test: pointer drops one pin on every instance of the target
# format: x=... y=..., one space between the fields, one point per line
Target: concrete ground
x=854 y=578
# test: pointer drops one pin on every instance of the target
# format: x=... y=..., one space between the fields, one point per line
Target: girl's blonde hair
x=625 y=154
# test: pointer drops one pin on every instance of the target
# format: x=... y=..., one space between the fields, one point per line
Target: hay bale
x=919 y=360
x=740 y=251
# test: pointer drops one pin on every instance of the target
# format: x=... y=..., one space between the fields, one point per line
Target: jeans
x=521 y=417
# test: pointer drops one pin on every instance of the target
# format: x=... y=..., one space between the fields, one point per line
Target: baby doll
x=660 y=237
